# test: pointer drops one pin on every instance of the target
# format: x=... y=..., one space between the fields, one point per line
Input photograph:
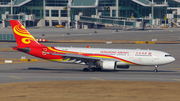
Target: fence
x=7 y=37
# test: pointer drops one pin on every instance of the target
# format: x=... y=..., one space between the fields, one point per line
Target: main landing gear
x=91 y=69
x=155 y=70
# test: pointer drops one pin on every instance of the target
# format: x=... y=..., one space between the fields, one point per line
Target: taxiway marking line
x=15 y=77
x=98 y=79
x=174 y=68
x=177 y=79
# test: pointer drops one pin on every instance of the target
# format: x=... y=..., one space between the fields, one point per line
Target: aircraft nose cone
x=173 y=59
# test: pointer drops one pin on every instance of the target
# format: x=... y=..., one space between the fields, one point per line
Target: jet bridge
x=124 y=23
x=148 y=21
x=147 y=3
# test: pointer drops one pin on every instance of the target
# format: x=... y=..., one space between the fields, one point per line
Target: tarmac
x=68 y=82
x=106 y=34
x=51 y=71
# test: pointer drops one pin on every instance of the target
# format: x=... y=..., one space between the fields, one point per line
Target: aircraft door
x=156 y=55
x=131 y=55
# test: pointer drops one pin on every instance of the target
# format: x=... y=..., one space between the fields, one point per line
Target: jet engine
x=108 y=65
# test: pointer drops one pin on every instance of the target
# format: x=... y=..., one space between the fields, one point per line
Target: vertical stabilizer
x=22 y=35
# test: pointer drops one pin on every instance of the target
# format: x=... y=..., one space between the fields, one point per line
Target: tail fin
x=22 y=35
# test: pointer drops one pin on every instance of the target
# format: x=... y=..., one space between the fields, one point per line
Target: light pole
x=69 y=19
x=165 y=18
x=11 y=7
x=152 y=13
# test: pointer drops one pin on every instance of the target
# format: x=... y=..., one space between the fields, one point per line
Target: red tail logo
x=22 y=35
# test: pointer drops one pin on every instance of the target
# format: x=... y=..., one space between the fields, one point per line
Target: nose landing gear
x=155 y=70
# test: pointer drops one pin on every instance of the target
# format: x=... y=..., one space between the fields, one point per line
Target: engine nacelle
x=108 y=65
x=123 y=67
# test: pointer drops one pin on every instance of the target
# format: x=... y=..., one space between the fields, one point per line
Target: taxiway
x=51 y=71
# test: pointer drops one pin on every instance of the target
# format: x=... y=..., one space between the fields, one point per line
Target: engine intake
x=108 y=65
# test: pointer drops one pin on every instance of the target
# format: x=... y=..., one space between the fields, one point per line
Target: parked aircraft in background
x=96 y=58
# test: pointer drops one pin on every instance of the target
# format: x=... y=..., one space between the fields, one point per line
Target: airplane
x=96 y=59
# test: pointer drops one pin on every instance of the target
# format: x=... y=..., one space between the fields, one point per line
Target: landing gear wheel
x=98 y=69
x=91 y=70
x=155 y=70
x=85 y=69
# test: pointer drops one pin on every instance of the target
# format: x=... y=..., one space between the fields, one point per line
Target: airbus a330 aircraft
x=96 y=58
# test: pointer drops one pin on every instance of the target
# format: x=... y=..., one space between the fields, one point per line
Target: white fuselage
x=127 y=56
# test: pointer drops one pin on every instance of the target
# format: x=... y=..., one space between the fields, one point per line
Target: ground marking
x=98 y=79
x=15 y=77
x=177 y=79
x=174 y=68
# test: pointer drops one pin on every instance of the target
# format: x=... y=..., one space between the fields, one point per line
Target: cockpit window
x=167 y=55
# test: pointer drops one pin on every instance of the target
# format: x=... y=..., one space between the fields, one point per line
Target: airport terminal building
x=53 y=12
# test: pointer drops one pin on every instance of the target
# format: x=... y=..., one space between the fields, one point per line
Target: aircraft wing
x=82 y=57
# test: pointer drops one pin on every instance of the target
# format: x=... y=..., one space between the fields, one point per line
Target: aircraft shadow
x=59 y=70
x=81 y=70
x=165 y=71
